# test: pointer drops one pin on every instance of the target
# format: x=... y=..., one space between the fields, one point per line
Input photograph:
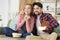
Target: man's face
x=37 y=10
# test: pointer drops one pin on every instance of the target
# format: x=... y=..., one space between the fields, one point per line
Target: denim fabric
x=8 y=31
x=26 y=34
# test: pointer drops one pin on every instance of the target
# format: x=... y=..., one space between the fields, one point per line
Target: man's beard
x=38 y=13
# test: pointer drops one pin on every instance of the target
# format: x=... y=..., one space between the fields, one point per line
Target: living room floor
x=3 y=37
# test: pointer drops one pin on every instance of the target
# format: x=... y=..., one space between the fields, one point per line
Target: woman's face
x=27 y=9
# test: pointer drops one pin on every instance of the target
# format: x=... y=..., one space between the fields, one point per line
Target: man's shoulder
x=46 y=14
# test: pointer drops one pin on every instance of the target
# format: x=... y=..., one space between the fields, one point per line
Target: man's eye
x=37 y=8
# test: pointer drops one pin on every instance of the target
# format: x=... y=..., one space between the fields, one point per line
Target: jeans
x=25 y=35
x=8 y=31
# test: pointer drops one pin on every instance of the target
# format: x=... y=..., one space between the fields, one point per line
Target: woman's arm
x=53 y=23
x=30 y=25
x=20 y=21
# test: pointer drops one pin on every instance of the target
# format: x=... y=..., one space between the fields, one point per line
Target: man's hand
x=47 y=30
x=45 y=23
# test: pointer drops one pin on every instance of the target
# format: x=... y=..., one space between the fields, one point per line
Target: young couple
x=31 y=18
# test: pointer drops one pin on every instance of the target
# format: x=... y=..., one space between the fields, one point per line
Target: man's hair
x=38 y=4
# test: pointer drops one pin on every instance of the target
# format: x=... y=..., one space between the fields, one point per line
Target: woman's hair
x=31 y=6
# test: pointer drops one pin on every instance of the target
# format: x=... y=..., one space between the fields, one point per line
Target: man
x=43 y=19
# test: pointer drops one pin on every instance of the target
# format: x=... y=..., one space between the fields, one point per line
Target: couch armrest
x=1 y=30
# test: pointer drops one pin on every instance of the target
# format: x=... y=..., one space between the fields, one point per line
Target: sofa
x=1 y=30
x=13 y=22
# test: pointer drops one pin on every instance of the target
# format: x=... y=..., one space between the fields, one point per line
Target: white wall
x=8 y=10
x=51 y=7
x=3 y=5
x=4 y=11
x=14 y=8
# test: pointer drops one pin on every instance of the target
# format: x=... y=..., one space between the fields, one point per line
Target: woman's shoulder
x=21 y=13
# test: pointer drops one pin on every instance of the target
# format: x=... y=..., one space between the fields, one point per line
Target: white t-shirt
x=38 y=24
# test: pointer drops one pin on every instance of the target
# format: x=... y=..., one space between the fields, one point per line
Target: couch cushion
x=57 y=30
x=1 y=30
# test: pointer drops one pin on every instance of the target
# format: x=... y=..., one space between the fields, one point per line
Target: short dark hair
x=38 y=4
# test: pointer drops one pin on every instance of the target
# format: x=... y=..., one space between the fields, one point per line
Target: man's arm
x=53 y=23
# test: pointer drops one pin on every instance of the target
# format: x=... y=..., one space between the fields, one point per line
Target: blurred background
x=10 y=8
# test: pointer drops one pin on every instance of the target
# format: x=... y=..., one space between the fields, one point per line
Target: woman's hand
x=17 y=29
x=27 y=17
x=21 y=12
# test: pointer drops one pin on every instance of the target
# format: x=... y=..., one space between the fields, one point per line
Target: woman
x=25 y=21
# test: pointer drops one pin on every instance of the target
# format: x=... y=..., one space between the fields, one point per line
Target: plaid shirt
x=53 y=22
